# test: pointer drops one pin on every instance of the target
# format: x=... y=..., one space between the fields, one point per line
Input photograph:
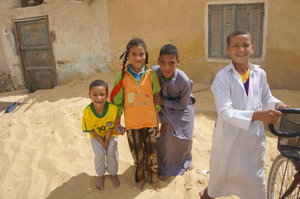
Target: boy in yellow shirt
x=99 y=121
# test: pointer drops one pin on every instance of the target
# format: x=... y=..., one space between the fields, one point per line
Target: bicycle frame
x=280 y=160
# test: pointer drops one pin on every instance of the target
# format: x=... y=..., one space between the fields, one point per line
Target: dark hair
x=132 y=43
x=169 y=49
x=98 y=83
x=237 y=32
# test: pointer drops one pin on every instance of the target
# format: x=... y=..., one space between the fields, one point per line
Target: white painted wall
x=81 y=43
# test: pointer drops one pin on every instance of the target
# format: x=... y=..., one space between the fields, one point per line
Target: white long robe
x=238 y=148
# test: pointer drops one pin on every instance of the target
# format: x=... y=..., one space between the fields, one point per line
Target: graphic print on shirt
x=131 y=97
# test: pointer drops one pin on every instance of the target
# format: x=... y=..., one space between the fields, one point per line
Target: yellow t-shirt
x=92 y=121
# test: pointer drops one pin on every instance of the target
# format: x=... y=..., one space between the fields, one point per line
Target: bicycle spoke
x=280 y=179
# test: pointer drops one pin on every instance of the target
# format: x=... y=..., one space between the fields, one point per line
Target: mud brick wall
x=6 y=82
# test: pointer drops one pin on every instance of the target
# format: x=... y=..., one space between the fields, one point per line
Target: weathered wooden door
x=35 y=51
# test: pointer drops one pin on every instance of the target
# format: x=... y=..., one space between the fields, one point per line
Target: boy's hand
x=281 y=105
x=158 y=100
x=165 y=128
x=121 y=129
x=106 y=143
x=268 y=116
x=101 y=141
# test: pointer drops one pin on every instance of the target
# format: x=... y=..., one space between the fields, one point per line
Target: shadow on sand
x=82 y=186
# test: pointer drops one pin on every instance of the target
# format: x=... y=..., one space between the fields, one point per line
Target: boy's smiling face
x=98 y=95
x=168 y=64
x=240 y=48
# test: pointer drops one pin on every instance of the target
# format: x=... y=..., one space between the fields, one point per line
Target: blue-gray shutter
x=256 y=27
x=215 y=31
x=242 y=13
x=223 y=19
x=228 y=26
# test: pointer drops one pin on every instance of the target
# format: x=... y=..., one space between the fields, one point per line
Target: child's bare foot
x=100 y=183
x=162 y=177
x=189 y=168
x=156 y=186
x=140 y=184
x=204 y=194
x=115 y=180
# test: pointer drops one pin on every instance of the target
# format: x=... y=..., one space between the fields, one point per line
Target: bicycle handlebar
x=286 y=134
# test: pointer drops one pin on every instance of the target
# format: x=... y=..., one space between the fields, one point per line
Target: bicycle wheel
x=280 y=178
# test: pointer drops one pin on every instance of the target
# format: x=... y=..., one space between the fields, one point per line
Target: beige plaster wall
x=283 y=44
x=89 y=38
x=184 y=24
x=80 y=33
x=10 y=72
x=160 y=22
x=3 y=63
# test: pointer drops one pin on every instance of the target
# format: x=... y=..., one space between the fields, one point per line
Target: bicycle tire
x=280 y=177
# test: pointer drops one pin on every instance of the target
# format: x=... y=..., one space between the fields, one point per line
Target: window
x=26 y=3
x=223 y=19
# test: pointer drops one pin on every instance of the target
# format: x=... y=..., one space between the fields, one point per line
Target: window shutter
x=215 y=31
x=228 y=21
x=223 y=19
x=25 y=3
x=256 y=25
x=242 y=17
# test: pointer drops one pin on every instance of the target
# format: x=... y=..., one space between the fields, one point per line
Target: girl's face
x=168 y=65
x=98 y=95
x=240 y=48
x=137 y=57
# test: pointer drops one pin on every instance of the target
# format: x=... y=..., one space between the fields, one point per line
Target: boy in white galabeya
x=244 y=103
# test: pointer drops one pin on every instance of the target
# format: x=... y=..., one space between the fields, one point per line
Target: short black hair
x=237 y=32
x=169 y=49
x=98 y=82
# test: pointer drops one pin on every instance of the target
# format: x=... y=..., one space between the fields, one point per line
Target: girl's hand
x=158 y=100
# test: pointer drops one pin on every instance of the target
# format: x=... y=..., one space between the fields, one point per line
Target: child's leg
x=115 y=180
x=151 y=156
x=112 y=158
x=173 y=160
x=99 y=161
x=136 y=145
x=204 y=194
x=100 y=183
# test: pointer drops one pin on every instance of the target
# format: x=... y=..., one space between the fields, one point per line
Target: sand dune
x=44 y=154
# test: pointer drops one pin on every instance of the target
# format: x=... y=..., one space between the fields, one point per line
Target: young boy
x=99 y=120
x=244 y=102
x=176 y=115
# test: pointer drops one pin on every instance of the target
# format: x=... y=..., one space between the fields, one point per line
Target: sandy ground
x=44 y=154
